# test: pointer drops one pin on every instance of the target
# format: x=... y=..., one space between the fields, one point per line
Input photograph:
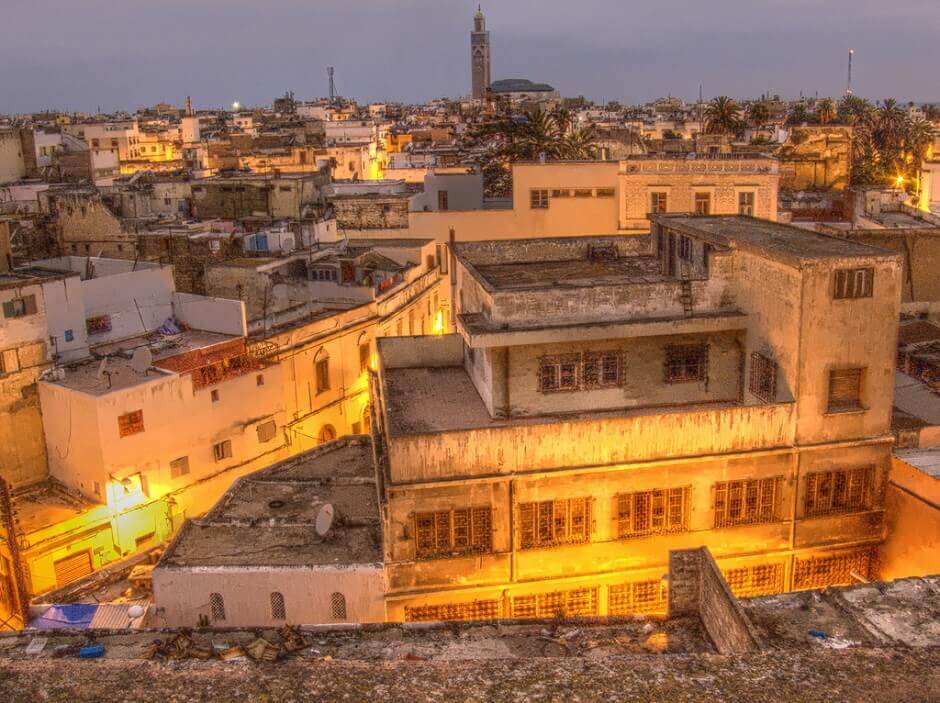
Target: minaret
x=479 y=56
x=189 y=124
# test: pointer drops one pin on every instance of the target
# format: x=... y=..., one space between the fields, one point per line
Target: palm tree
x=798 y=114
x=826 y=111
x=579 y=144
x=722 y=116
x=852 y=108
x=758 y=113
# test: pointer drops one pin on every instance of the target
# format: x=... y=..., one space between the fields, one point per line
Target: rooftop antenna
x=329 y=72
x=848 y=87
x=324 y=519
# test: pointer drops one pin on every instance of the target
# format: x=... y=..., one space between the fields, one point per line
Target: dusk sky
x=82 y=54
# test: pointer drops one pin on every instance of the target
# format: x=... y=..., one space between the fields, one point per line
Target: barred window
x=557 y=604
x=757 y=580
x=745 y=502
x=538 y=199
x=762 y=381
x=686 y=363
x=553 y=522
x=602 y=369
x=470 y=610
x=216 y=607
x=852 y=283
x=652 y=512
x=179 y=467
x=278 y=608
x=842 y=491
x=845 y=389
x=637 y=598
x=338 y=606
x=832 y=570
x=559 y=373
x=131 y=423
x=452 y=532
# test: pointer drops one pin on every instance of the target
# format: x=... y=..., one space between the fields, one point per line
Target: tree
x=852 y=108
x=888 y=145
x=758 y=113
x=722 y=116
x=826 y=111
x=798 y=115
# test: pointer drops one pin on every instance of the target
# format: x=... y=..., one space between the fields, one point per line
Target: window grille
x=831 y=570
x=472 y=610
x=637 y=598
x=216 y=607
x=841 y=491
x=338 y=606
x=278 y=609
x=559 y=373
x=686 y=363
x=452 y=532
x=652 y=512
x=853 y=283
x=554 y=522
x=762 y=382
x=757 y=580
x=579 y=602
x=748 y=502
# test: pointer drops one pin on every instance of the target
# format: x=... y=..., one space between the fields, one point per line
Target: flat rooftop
x=927 y=460
x=793 y=244
x=268 y=518
x=577 y=273
x=118 y=372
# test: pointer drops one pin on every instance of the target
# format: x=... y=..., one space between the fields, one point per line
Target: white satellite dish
x=279 y=291
x=141 y=360
x=324 y=519
x=135 y=611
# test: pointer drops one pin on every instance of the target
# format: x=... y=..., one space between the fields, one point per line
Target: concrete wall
x=464 y=191
x=211 y=314
x=182 y=594
x=912 y=521
x=12 y=164
x=137 y=302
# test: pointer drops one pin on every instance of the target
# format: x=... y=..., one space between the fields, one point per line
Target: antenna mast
x=848 y=87
x=329 y=72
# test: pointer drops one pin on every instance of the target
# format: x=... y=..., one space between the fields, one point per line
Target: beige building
x=725 y=383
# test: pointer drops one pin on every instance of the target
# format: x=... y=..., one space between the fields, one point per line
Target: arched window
x=321 y=367
x=327 y=434
x=278 y=608
x=216 y=607
x=338 y=606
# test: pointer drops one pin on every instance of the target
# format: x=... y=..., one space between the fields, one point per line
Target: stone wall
x=371 y=213
x=696 y=587
x=22 y=447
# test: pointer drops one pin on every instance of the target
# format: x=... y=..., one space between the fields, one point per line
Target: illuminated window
x=686 y=363
x=338 y=606
x=20 y=307
x=842 y=491
x=832 y=570
x=216 y=607
x=637 y=598
x=451 y=532
x=131 y=423
x=746 y=204
x=222 y=450
x=652 y=512
x=658 y=203
x=179 y=467
x=703 y=203
x=762 y=381
x=581 y=602
x=278 y=608
x=553 y=522
x=845 y=387
x=470 y=610
x=757 y=580
x=853 y=283
x=538 y=199
x=745 y=502
x=559 y=373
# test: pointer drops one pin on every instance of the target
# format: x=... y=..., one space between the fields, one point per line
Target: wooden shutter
x=72 y=568
x=844 y=387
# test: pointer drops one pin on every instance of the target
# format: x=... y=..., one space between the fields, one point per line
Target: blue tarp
x=71 y=615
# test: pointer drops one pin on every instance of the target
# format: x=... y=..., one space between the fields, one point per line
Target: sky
x=125 y=54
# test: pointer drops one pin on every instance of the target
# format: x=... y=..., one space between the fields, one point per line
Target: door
x=72 y=568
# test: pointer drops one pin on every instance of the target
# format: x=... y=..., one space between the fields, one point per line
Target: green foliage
x=723 y=116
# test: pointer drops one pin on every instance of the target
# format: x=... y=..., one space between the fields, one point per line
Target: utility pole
x=848 y=87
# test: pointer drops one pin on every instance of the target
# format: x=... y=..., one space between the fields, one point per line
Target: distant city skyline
x=127 y=56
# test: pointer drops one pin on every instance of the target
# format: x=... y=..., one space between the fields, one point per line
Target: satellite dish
x=135 y=611
x=279 y=291
x=141 y=360
x=324 y=519
x=101 y=368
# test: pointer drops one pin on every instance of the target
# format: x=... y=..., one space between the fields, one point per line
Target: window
x=98 y=324
x=602 y=369
x=338 y=606
x=214 y=394
x=658 y=203
x=322 y=368
x=559 y=373
x=582 y=192
x=131 y=423
x=561 y=193
x=831 y=570
x=605 y=192
x=538 y=199
x=222 y=450
x=703 y=203
x=442 y=200
x=179 y=467
x=840 y=491
x=762 y=381
x=443 y=612
x=278 y=609
x=576 y=603
x=637 y=598
x=746 y=204
x=364 y=354
x=451 y=532
x=652 y=512
x=685 y=363
x=845 y=386
x=685 y=248
x=327 y=434
x=853 y=283
x=747 y=502
x=553 y=522
x=259 y=379
x=267 y=431
x=757 y=580
x=20 y=307
x=216 y=607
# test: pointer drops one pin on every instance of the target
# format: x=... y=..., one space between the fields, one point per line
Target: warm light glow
x=439 y=322
x=125 y=493
x=899 y=181
x=236 y=105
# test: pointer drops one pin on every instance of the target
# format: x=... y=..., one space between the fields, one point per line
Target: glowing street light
x=236 y=105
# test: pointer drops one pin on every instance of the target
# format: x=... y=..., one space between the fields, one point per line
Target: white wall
x=211 y=314
x=138 y=302
x=464 y=192
x=65 y=310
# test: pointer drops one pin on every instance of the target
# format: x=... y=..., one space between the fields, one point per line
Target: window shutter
x=29 y=304
x=844 y=385
x=8 y=310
